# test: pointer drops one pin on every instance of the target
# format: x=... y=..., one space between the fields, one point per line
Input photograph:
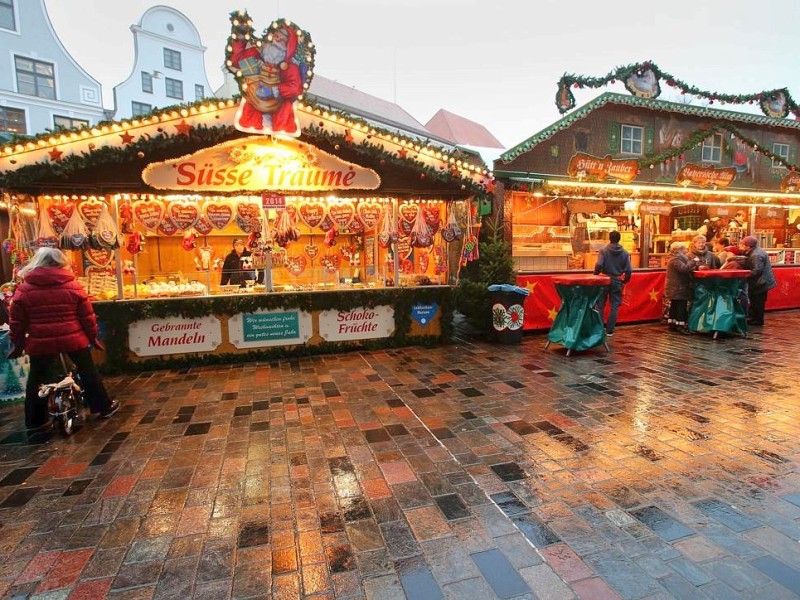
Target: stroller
x=65 y=401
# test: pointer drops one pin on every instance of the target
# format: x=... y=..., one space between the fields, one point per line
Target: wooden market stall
x=657 y=172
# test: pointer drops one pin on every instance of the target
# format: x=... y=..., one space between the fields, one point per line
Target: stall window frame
x=6 y=122
x=781 y=150
x=172 y=59
x=714 y=154
x=631 y=139
x=38 y=78
x=69 y=122
x=8 y=16
x=173 y=88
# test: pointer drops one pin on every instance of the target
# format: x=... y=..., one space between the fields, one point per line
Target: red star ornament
x=402 y=153
x=184 y=128
x=127 y=138
x=55 y=154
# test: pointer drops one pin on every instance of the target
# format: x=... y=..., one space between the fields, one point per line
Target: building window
x=172 y=59
x=781 y=150
x=199 y=92
x=12 y=120
x=35 y=78
x=712 y=149
x=7 y=20
x=631 y=140
x=69 y=122
x=147 y=82
x=140 y=108
x=174 y=88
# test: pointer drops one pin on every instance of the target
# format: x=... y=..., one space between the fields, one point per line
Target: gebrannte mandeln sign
x=173 y=335
x=356 y=324
x=260 y=163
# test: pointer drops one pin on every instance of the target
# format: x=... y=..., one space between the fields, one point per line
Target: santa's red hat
x=291 y=41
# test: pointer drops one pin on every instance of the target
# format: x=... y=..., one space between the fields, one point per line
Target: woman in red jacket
x=51 y=314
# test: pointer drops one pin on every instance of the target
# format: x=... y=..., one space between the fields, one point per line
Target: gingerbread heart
x=342 y=213
x=219 y=215
x=247 y=211
x=203 y=225
x=370 y=214
x=167 y=228
x=312 y=213
x=404 y=227
x=311 y=251
x=99 y=258
x=347 y=252
x=326 y=224
x=296 y=265
x=432 y=218
x=183 y=215
x=331 y=262
x=356 y=226
x=89 y=211
x=278 y=257
x=408 y=212
x=150 y=213
x=59 y=215
x=404 y=246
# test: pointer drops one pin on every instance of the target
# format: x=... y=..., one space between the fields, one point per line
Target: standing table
x=577 y=325
x=716 y=306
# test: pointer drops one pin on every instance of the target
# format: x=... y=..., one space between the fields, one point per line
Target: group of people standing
x=614 y=261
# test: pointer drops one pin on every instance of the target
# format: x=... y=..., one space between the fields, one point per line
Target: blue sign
x=424 y=313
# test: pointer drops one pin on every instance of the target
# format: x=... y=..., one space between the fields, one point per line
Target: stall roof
x=659 y=105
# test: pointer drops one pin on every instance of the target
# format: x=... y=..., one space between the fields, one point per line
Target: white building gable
x=168 y=64
x=41 y=85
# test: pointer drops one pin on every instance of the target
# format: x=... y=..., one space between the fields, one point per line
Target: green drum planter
x=578 y=326
x=718 y=304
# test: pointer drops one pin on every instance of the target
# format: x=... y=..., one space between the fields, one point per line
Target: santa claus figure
x=271 y=83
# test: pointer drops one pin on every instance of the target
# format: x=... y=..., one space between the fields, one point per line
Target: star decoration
x=184 y=128
x=530 y=286
x=490 y=187
x=348 y=137
x=127 y=138
x=552 y=314
x=402 y=153
x=653 y=295
x=55 y=154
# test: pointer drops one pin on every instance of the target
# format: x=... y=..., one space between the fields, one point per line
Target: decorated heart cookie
x=408 y=212
x=342 y=213
x=89 y=210
x=404 y=246
x=296 y=265
x=59 y=215
x=167 y=228
x=219 y=215
x=182 y=215
x=312 y=213
x=203 y=225
x=99 y=258
x=150 y=213
x=311 y=251
x=432 y=218
x=370 y=214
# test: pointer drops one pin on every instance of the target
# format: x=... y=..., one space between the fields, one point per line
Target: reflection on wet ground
x=666 y=468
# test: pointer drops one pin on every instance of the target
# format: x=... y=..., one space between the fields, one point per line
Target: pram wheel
x=68 y=417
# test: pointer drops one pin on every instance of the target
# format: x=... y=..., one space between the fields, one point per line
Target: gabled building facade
x=41 y=85
x=168 y=65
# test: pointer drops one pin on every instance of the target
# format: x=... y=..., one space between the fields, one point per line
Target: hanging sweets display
x=74 y=235
x=46 y=237
x=421 y=233
x=105 y=234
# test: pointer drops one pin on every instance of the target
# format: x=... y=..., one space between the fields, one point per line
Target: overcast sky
x=495 y=62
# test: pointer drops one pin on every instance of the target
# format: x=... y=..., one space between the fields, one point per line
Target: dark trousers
x=678 y=312
x=613 y=293
x=41 y=366
x=758 y=301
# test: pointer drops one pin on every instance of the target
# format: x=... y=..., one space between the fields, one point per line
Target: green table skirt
x=717 y=307
x=577 y=325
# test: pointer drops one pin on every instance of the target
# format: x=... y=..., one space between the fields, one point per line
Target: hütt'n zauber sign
x=173 y=335
x=586 y=166
x=260 y=163
x=706 y=176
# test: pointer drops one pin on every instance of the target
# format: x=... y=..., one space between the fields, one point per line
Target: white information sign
x=264 y=328
x=356 y=324
x=173 y=335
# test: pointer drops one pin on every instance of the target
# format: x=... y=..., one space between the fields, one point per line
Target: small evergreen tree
x=13 y=387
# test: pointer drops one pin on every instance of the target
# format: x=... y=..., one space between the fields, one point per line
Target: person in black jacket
x=233 y=271
x=615 y=262
x=761 y=279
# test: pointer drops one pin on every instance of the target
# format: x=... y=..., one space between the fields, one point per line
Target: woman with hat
x=233 y=269
x=761 y=279
x=678 y=287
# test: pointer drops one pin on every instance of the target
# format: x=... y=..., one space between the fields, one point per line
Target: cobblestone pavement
x=667 y=468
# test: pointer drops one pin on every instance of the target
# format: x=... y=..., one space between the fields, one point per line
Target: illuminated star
x=127 y=138
x=653 y=295
x=530 y=285
x=184 y=128
x=552 y=314
x=55 y=154
x=348 y=136
x=402 y=153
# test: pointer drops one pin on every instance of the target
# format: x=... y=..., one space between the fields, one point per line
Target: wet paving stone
x=253 y=534
x=727 y=515
x=197 y=429
x=661 y=523
x=501 y=575
x=509 y=471
x=779 y=572
x=417 y=580
x=509 y=503
x=538 y=534
x=452 y=507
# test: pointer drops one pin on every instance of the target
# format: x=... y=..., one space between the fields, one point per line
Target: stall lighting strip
x=673 y=202
x=254 y=199
x=663 y=190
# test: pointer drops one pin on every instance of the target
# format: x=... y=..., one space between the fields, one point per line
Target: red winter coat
x=54 y=311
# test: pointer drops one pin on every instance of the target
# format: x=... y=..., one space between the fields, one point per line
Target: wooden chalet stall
x=354 y=233
x=656 y=172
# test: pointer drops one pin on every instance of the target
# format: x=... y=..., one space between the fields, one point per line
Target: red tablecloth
x=581 y=279
x=723 y=273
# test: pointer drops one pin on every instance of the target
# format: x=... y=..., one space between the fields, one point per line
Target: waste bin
x=508 y=312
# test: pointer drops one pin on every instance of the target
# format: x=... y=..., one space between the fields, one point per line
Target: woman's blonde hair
x=45 y=257
x=676 y=247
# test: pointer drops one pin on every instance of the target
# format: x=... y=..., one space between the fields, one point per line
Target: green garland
x=565 y=100
x=118 y=316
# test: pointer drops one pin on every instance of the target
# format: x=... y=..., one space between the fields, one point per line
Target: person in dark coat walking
x=614 y=261
x=761 y=279
x=51 y=314
x=678 y=287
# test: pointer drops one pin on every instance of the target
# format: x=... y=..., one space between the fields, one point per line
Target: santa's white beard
x=273 y=53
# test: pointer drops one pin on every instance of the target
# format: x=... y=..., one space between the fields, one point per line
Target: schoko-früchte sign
x=356 y=324
x=260 y=163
